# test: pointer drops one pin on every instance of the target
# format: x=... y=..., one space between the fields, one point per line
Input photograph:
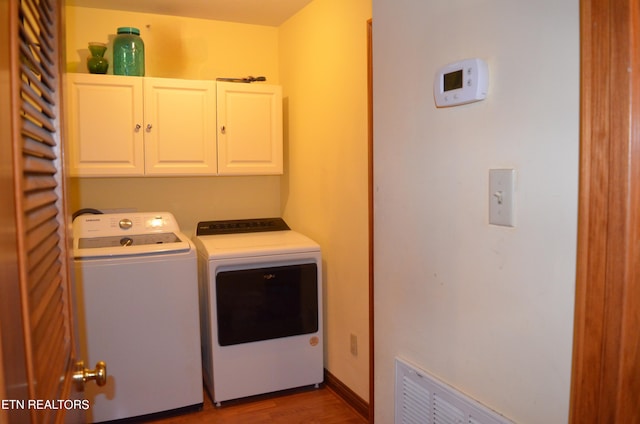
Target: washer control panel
x=127 y=234
x=114 y=224
x=132 y=240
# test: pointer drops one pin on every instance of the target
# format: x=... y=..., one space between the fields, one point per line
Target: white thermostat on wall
x=461 y=82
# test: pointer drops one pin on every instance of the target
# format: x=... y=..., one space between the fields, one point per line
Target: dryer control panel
x=238 y=226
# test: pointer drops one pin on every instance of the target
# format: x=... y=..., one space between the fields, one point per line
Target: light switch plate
x=501 y=198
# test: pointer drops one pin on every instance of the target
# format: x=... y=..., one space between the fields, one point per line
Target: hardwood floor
x=308 y=406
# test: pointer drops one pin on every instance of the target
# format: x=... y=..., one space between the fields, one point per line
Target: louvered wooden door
x=38 y=223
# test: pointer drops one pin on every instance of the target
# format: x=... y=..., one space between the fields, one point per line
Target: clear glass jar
x=128 y=52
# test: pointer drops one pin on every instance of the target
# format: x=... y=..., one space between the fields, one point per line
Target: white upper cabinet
x=136 y=126
x=249 y=129
x=132 y=126
x=179 y=118
x=105 y=135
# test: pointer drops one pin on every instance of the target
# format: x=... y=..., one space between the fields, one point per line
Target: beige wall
x=323 y=69
x=189 y=48
x=190 y=199
x=487 y=309
x=177 y=47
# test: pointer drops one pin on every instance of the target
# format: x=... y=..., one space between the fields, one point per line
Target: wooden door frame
x=606 y=357
x=370 y=213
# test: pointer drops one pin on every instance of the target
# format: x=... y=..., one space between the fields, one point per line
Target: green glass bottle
x=128 y=52
x=96 y=63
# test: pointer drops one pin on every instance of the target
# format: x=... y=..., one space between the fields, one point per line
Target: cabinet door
x=249 y=129
x=105 y=118
x=179 y=127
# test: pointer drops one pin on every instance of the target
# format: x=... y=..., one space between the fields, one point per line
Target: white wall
x=487 y=309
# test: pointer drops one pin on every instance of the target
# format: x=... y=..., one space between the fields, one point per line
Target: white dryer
x=261 y=307
x=137 y=298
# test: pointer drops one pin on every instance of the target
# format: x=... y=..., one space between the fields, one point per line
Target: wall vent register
x=421 y=398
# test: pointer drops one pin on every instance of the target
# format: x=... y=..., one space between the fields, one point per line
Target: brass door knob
x=82 y=374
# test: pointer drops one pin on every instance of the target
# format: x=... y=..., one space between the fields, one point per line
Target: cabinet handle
x=138 y=126
x=149 y=126
x=223 y=129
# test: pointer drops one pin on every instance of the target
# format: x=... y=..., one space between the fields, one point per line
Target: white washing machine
x=137 y=302
x=261 y=308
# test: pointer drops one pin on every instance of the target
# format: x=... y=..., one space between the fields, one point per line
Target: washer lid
x=126 y=241
x=133 y=245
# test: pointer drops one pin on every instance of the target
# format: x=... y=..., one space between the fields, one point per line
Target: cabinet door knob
x=223 y=129
x=149 y=126
x=138 y=126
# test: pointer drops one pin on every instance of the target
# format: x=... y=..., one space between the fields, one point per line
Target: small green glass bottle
x=128 y=52
x=96 y=63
